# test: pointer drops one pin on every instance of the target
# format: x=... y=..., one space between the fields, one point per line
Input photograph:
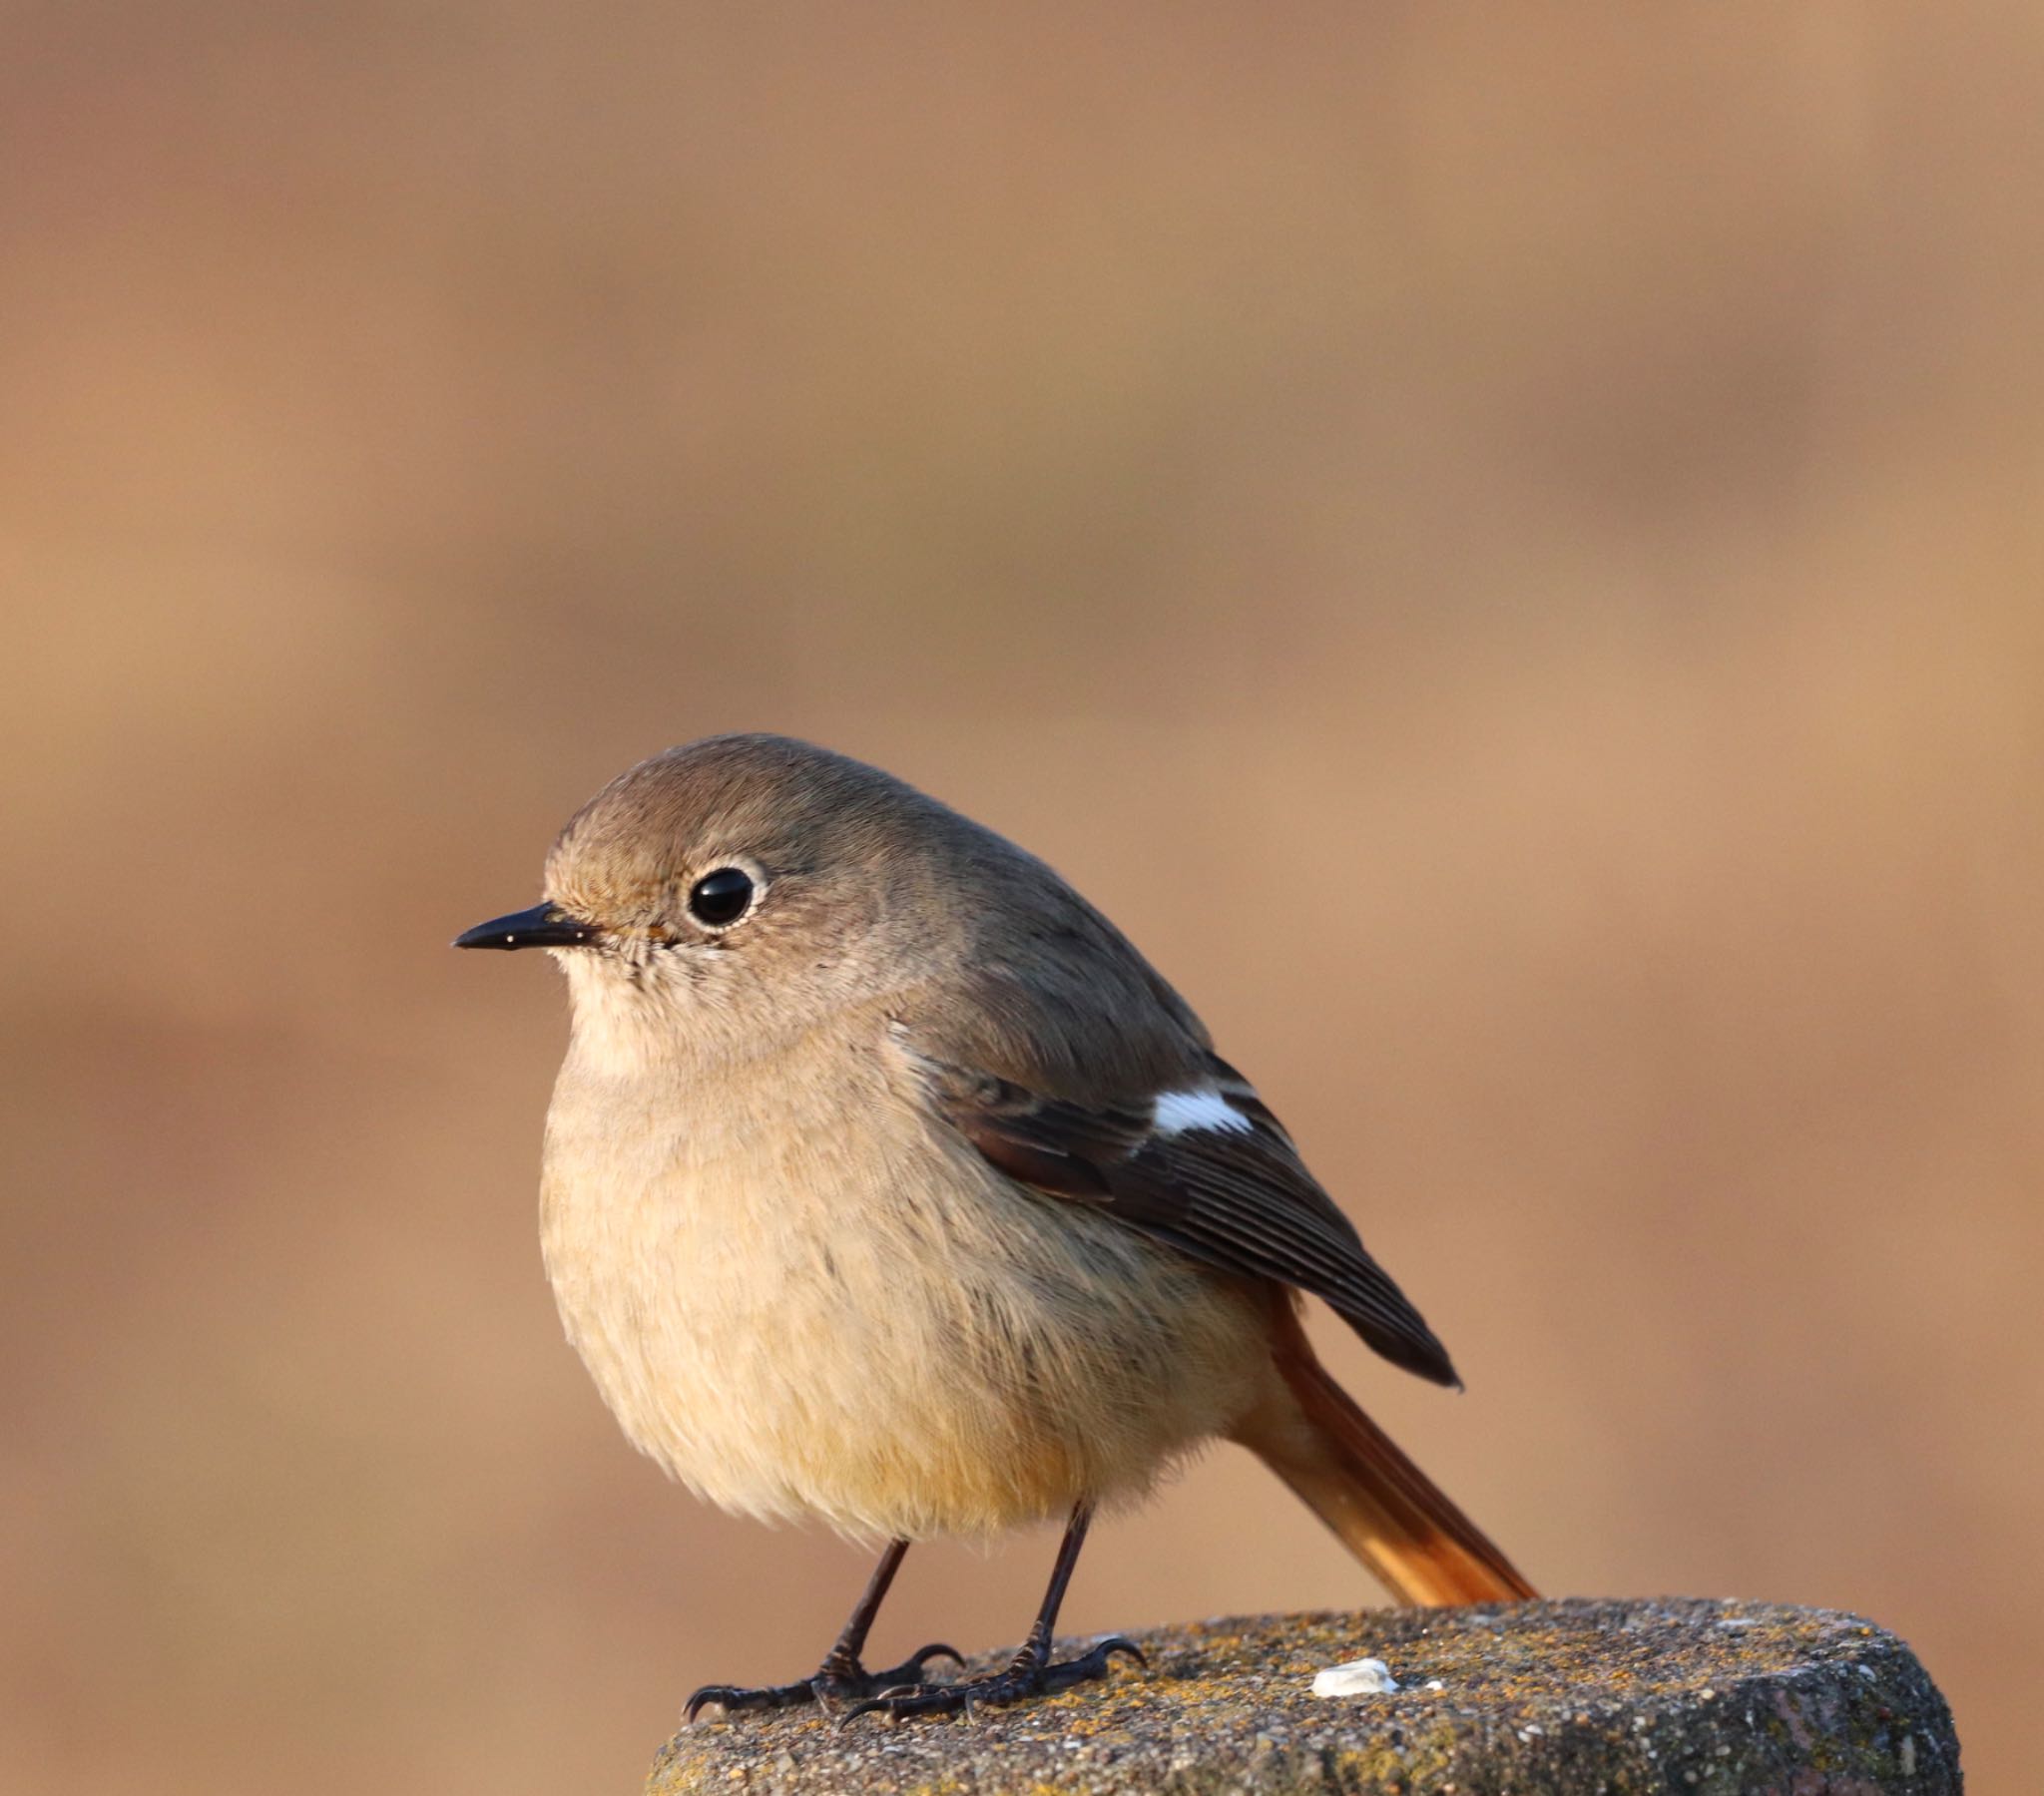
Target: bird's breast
x=801 y=1296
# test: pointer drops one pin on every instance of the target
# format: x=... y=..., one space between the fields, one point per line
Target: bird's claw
x=911 y=1670
x=1024 y=1679
x=833 y=1684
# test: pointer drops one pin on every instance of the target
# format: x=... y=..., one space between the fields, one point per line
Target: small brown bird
x=887 y=1182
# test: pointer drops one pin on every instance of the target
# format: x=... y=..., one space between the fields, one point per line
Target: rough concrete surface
x=1536 y=1699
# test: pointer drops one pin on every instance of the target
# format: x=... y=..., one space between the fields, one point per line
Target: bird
x=886 y=1183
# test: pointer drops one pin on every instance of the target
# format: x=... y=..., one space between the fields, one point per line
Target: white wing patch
x=1178 y=1112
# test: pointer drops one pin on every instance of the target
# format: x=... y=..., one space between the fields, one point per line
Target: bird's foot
x=840 y=1680
x=1028 y=1675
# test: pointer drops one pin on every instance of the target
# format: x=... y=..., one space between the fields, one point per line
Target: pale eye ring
x=721 y=897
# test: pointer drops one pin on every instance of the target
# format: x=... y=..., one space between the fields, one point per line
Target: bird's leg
x=841 y=1677
x=1030 y=1672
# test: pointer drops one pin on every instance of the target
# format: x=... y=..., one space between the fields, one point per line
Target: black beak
x=544 y=926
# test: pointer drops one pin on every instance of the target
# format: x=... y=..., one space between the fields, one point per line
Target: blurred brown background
x=1503 y=544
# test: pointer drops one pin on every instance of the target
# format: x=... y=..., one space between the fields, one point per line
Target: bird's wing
x=1200 y=1165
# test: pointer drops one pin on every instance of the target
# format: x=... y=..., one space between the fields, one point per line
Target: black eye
x=721 y=897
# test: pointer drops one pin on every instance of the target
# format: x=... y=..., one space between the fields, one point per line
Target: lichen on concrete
x=1572 y=1698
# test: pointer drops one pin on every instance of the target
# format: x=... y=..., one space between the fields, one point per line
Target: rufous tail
x=1384 y=1509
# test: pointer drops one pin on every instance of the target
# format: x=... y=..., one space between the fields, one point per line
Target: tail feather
x=1384 y=1509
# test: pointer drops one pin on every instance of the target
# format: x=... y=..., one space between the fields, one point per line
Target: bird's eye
x=721 y=898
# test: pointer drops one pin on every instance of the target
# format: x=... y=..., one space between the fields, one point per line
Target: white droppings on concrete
x=1358 y=1677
